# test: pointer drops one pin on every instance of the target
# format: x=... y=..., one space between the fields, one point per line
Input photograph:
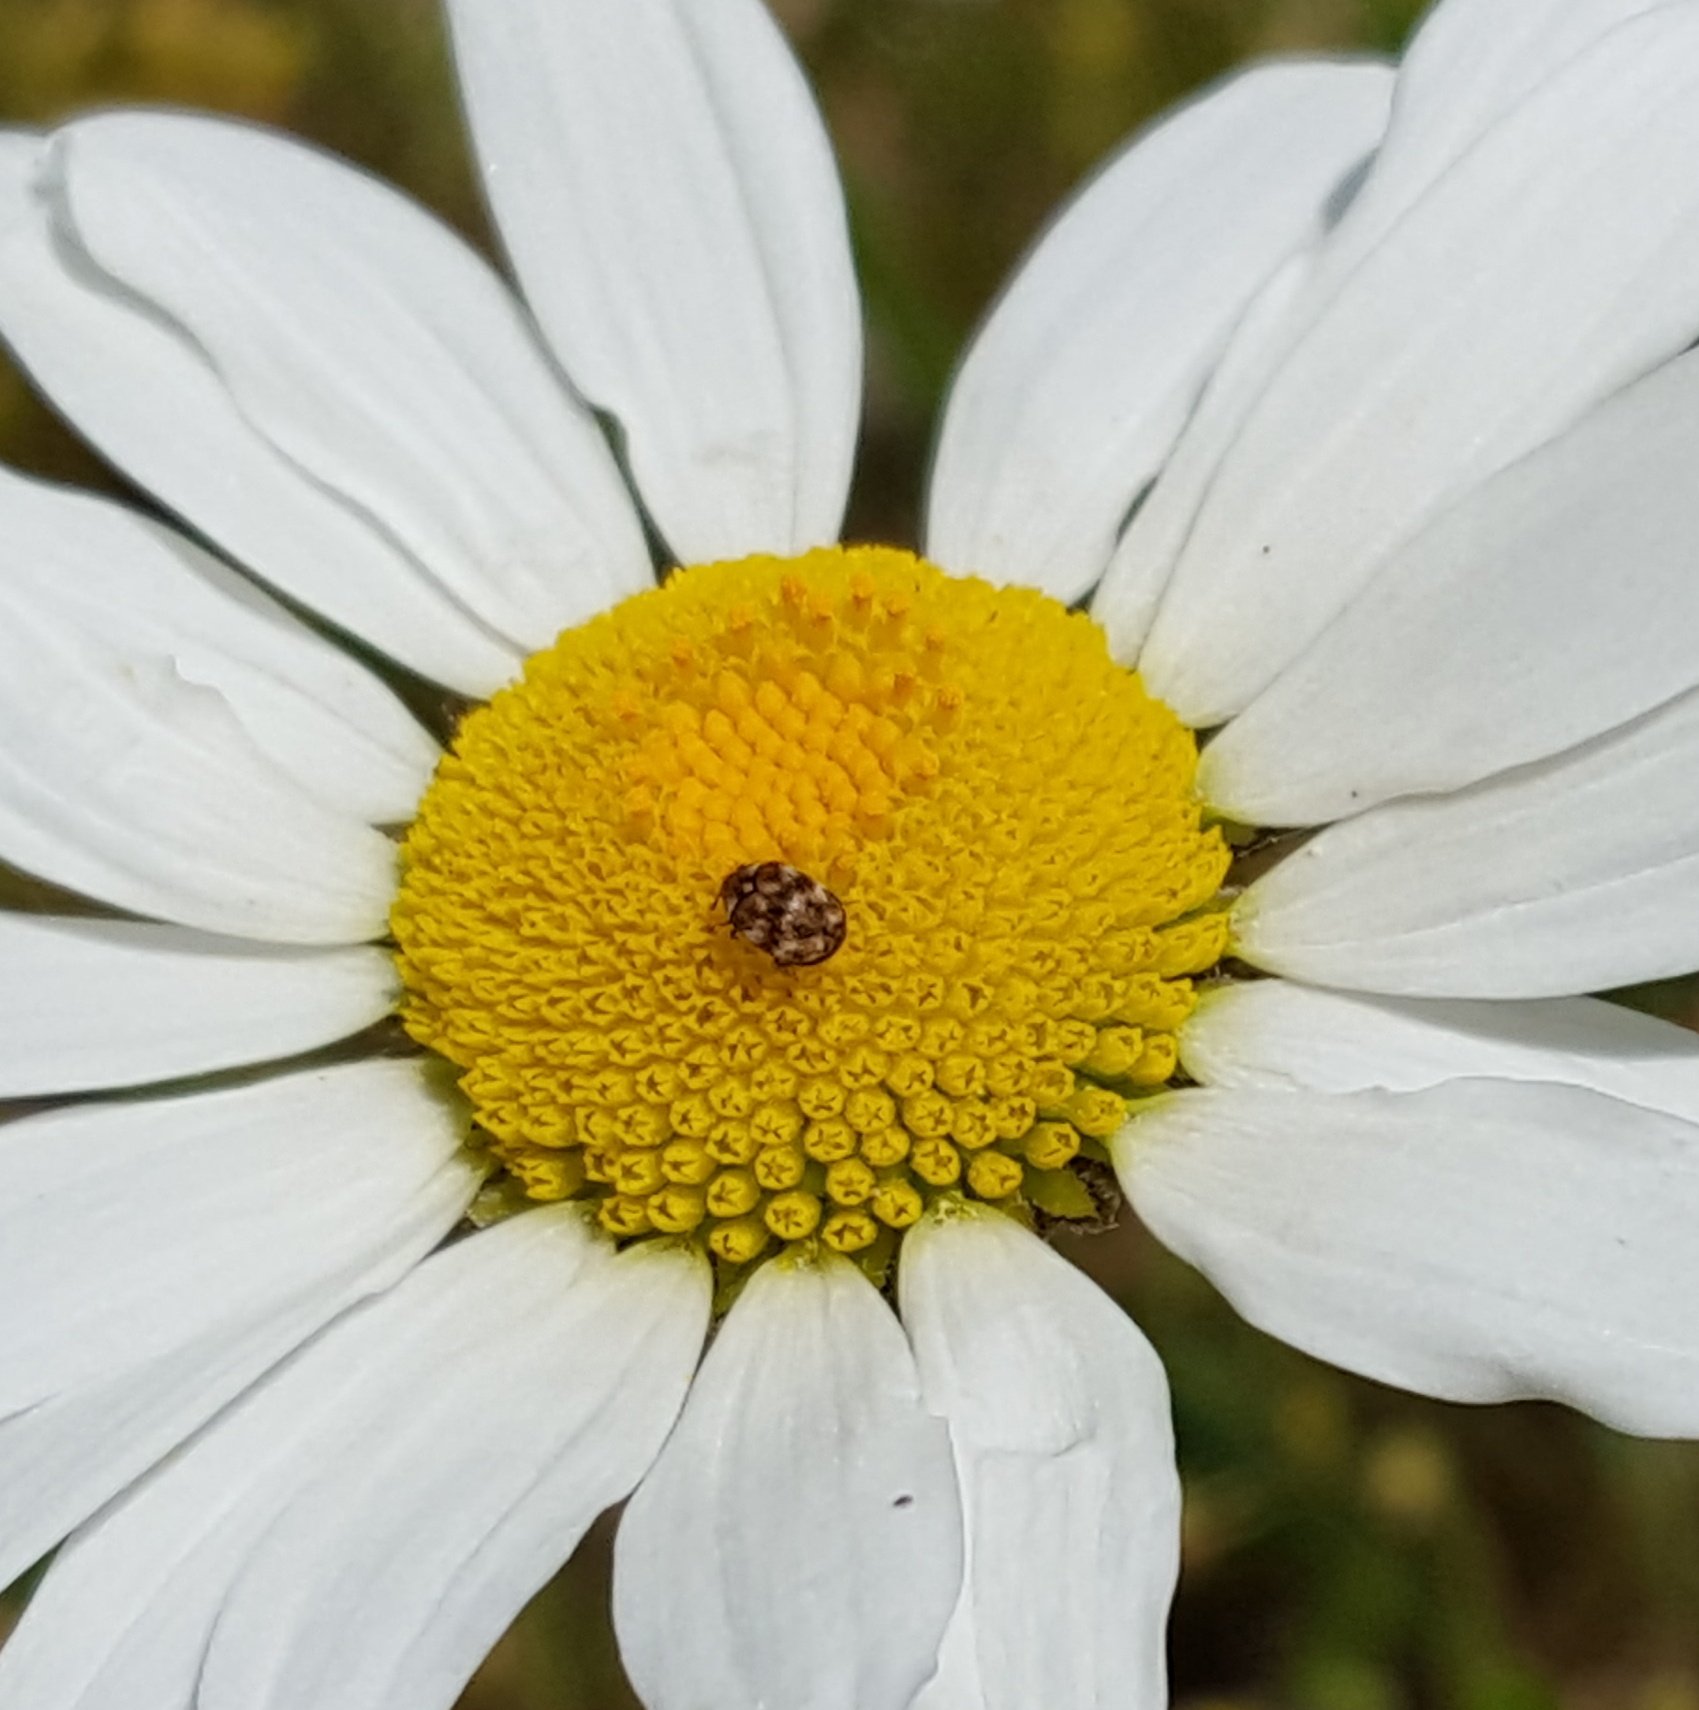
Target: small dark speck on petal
x=904 y=1501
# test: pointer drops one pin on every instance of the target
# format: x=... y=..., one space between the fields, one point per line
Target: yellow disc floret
x=995 y=821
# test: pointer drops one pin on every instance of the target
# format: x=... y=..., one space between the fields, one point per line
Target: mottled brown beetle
x=779 y=909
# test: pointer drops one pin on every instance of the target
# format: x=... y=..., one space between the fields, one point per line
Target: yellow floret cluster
x=1006 y=816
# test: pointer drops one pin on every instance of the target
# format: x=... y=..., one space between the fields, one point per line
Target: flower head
x=782 y=944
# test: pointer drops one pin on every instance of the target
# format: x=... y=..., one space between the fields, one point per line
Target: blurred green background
x=1347 y=1548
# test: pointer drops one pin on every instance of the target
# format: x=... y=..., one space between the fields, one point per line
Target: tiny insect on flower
x=781 y=910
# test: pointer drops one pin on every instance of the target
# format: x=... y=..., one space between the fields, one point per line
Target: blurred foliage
x=1347 y=1548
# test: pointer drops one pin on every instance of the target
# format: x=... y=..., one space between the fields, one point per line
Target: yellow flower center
x=793 y=893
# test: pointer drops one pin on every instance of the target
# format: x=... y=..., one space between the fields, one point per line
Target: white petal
x=67 y=1456
x=1477 y=1241
x=115 y=1003
x=385 y=1594
x=1556 y=602
x=115 y=372
x=667 y=193
x=1278 y=1035
x=1565 y=229
x=156 y=1256
x=328 y=722
x=1058 y=1410
x=799 y=1541
x=1471 y=61
x=136 y=1595
x=337 y=383
x=1468 y=65
x=1045 y=444
x=1130 y=594
x=1572 y=875
x=956 y=1685
x=123 y=778
x=247 y=1185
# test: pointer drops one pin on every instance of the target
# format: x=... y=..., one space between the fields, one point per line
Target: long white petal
x=1556 y=602
x=1478 y=1241
x=122 y=778
x=799 y=1540
x=133 y=1604
x=86 y=1004
x=1058 y=1410
x=67 y=1456
x=310 y=707
x=386 y=1594
x=1469 y=64
x=1430 y=368
x=1281 y=1036
x=1130 y=594
x=155 y=1256
x=114 y=372
x=668 y=196
x=1045 y=442
x=358 y=412
x=1572 y=875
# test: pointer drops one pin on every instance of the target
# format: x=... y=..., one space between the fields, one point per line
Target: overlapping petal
x=1418 y=378
x=114 y=1003
x=1279 y=1036
x=1130 y=595
x=159 y=1255
x=667 y=193
x=528 y=1378
x=1556 y=602
x=93 y=567
x=510 y=1388
x=1469 y=64
x=1478 y=1240
x=124 y=778
x=1575 y=874
x=799 y=1540
x=358 y=412
x=1058 y=1412
x=1047 y=439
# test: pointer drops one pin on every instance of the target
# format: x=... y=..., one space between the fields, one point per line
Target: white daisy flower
x=822 y=917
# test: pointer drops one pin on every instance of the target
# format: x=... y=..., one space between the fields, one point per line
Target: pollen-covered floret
x=1003 y=816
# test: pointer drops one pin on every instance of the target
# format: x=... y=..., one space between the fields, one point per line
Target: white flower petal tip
x=668 y=196
x=299 y=1195
x=1575 y=874
x=89 y=1004
x=1277 y=1035
x=1478 y=1241
x=94 y=567
x=1570 y=205
x=799 y=1540
x=1554 y=603
x=359 y=412
x=1045 y=445
x=1058 y=1411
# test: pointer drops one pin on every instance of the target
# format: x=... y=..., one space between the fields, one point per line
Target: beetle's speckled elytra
x=781 y=910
